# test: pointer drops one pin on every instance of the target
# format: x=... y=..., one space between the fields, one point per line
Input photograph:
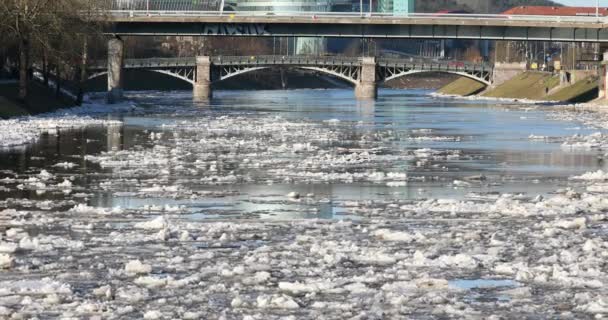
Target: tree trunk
x=83 y=72
x=45 y=68
x=23 y=68
x=57 y=83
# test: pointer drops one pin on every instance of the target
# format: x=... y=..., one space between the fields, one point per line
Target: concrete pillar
x=202 y=85
x=367 y=87
x=603 y=93
x=115 y=63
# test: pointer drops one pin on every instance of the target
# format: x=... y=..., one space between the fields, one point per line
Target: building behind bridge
x=298 y=45
x=570 y=55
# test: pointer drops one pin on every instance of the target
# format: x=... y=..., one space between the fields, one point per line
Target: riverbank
x=40 y=99
x=529 y=86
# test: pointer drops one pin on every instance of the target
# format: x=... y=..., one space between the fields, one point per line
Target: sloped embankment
x=528 y=85
x=462 y=87
x=582 y=91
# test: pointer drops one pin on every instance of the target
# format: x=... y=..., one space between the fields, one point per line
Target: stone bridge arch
x=486 y=80
x=348 y=74
x=479 y=74
x=184 y=75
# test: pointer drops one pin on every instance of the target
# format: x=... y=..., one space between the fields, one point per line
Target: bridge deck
x=155 y=63
x=356 y=19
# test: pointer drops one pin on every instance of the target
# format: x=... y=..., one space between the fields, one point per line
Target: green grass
x=9 y=109
x=40 y=99
x=576 y=92
x=462 y=86
x=528 y=85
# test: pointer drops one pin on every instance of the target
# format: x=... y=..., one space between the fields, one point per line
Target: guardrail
x=279 y=60
x=370 y=15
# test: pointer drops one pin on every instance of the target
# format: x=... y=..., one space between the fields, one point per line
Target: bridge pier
x=202 y=83
x=367 y=87
x=115 y=63
x=603 y=75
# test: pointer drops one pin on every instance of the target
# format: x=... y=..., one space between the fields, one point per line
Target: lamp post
x=361 y=7
x=597 y=9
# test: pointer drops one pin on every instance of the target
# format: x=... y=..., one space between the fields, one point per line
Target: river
x=305 y=203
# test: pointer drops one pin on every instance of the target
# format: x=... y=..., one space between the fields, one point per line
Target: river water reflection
x=443 y=148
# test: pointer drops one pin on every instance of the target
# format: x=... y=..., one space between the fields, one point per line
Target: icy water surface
x=252 y=148
x=305 y=205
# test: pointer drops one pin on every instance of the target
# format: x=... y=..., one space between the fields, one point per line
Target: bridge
x=146 y=22
x=363 y=73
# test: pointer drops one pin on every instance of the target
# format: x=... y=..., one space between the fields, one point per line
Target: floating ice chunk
x=66 y=184
x=432 y=284
x=460 y=183
x=237 y=302
x=578 y=223
x=458 y=261
x=298 y=288
x=137 y=267
x=6 y=312
x=83 y=208
x=589 y=176
x=45 y=175
x=151 y=281
x=377 y=258
x=104 y=291
x=521 y=292
x=598 y=306
x=398 y=236
x=8 y=247
x=189 y=315
x=258 y=278
x=132 y=294
x=598 y=187
x=27 y=243
x=158 y=223
x=6 y=261
x=293 y=195
x=276 y=301
x=65 y=165
x=34 y=287
x=153 y=315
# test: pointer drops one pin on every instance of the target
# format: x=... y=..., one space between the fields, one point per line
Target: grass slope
x=581 y=91
x=10 y=109
x=462 y=86
x=40 y=99
x=528 y=85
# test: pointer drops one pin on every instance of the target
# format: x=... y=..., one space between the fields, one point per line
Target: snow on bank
x=22 y=131
x=482 y=98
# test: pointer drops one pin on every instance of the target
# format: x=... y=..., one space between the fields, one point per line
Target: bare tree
x=51 y=31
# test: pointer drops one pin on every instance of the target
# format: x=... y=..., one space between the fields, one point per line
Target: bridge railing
x=267 y=60
x=148 y=62
x=286 y=59
x=448 y=64
x=165 y=5
x=211 y=8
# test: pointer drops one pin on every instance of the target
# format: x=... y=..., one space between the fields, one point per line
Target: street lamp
x=361 y=7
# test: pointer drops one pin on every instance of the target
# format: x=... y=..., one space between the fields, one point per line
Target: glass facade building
x=396 y=7
x=301 y=45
